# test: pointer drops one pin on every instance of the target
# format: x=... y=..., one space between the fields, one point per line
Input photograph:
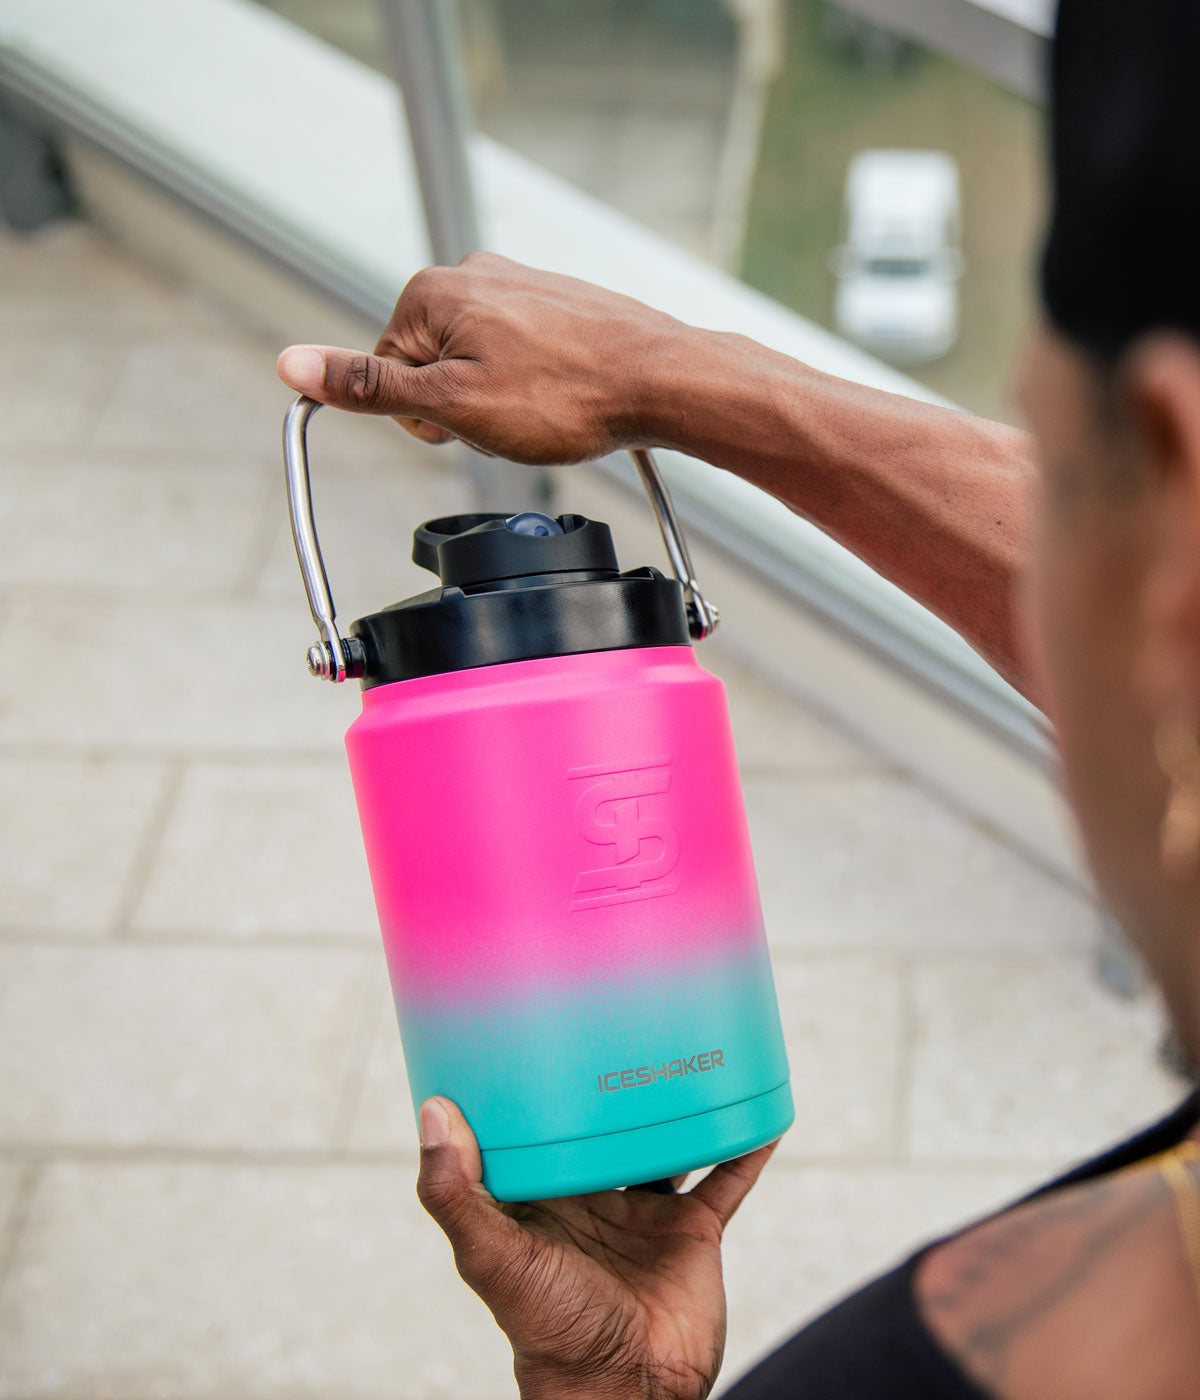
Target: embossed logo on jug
x=617 y=810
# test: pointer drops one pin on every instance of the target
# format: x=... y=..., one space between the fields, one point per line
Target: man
x=1091 y=1288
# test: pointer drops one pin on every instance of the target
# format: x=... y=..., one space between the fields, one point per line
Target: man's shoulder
x=1084 y=1292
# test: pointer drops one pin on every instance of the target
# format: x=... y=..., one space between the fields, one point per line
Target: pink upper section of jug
x=553 y=822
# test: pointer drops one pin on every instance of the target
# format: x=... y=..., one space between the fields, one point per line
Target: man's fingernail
x=302 y=368
x=435 y=1124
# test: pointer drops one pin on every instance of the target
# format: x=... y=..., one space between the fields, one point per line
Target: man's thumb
x=485 y=1239
x=352 y=380
x=451 y=1167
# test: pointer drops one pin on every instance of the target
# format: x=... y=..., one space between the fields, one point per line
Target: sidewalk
x=206 y=1146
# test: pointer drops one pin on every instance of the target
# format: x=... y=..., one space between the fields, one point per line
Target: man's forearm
x=937 y=501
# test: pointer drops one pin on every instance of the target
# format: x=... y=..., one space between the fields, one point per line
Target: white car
x=898 y=269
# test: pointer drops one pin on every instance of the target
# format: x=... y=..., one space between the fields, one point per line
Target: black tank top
x=875 y=1345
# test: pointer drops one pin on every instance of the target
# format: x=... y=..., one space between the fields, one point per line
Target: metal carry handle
x=703 y=617
x=337 y=658
x=334 y=657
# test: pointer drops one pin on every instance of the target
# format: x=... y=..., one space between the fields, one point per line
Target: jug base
x=636 y=1155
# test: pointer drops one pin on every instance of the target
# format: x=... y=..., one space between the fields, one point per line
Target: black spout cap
x=465 y=550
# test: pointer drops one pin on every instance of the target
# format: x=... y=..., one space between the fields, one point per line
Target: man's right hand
x=615 y=1295
x=526 y=365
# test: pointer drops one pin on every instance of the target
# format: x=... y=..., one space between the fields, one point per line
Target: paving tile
x=203 y=1282
x=285 y=841
x=805 y=1237
x=125 y=528
x=871 y=861
x=217 y=392
x=71 y=274
x=11 y=1177
x=844 y=1023
x=148 y=1046
x=55 y=379
x=775 y=733
x=1030 y=1057
x=366 y=519
x=383 y=1118
x=70 y=835
x=178 y=677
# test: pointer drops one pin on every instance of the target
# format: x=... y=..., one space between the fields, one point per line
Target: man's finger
x=427 y=432
x=358 y=382
x=726 y=1186
x=450 y=1188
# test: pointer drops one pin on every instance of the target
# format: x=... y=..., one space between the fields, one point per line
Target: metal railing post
x=425 y=46
x=423 y=39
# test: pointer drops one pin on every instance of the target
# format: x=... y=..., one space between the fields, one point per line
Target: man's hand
x=525 y=365
x=540 y=368
x=617 y=1294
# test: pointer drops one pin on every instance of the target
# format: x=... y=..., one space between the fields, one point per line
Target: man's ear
x=1158 y=383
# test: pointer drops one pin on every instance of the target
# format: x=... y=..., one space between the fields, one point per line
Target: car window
x=897 y=267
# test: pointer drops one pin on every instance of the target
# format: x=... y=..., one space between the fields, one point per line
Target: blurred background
x=206 y=1144
x=728 y=127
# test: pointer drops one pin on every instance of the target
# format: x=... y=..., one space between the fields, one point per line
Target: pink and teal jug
x=555 y=830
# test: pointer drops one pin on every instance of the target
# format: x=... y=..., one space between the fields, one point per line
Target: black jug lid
x=514 y=588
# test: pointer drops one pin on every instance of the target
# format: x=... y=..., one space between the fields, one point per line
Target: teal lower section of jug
x=637 y=1155
x=600 y=1086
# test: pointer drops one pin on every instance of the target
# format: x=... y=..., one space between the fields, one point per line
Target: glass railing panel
x=730 y=127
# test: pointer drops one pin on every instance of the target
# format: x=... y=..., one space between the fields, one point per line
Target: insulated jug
x=557 y=842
